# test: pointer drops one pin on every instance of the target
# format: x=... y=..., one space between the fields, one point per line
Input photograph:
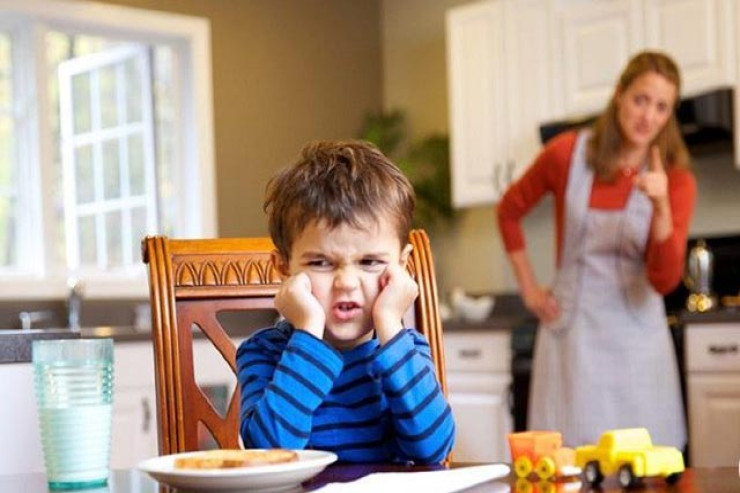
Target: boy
x=340 y=372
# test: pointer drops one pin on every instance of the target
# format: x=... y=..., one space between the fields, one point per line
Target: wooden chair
x=191 y=281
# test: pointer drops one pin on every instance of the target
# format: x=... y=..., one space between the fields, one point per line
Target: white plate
x=272 y=478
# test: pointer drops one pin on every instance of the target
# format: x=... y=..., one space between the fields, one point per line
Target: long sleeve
x=665 y=260
x=422 y=419
x=282 y=385
x=548 y=174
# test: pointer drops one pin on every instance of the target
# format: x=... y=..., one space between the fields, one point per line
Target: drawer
x=712 y=347
x=485 y=351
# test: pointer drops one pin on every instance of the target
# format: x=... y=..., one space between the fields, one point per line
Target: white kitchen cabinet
x=498 y=74
x=135 y=405
x=134 y=432
x=699 y=35
x=20 y=446
x=713 y=388
x=478 y=382
x=516 y=64
x=595 y=40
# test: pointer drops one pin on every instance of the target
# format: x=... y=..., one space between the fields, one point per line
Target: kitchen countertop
x=508 y=313
x=721 y=315
x=15 y=345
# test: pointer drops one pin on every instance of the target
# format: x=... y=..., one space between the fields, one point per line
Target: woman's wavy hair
x=606 y=140
x=340 y=182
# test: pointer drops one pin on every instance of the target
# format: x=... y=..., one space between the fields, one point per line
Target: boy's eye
x=319 y=263
x=372 y=263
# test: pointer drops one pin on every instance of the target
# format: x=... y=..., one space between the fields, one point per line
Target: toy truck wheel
x=626 y=476
x=545 y=468
x=547 y=487
x=673 y=478
x=524 y=486
x=523 y=466
x=592 y=473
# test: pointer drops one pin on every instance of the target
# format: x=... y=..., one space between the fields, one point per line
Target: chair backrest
x=191 y=281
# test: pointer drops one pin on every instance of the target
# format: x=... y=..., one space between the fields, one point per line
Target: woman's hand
x=654 y=182
x=397 y=291
x=295 y=301
x=542 y=303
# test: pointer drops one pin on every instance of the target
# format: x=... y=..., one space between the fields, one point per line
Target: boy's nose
x=346 y=279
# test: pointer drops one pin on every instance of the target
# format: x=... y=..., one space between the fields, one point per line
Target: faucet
x=27 y=319
x=74 y=300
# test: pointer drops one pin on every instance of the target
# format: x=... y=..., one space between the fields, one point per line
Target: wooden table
x=702 y=480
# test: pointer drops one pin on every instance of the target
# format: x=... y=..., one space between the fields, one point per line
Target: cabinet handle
x=146 y=415
x=511 y=166
x=469 y=353
x=729 y=348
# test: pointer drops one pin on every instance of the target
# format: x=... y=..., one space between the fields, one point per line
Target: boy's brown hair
x=340 y=182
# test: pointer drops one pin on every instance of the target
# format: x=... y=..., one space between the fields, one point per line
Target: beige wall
x=468 y=252
x=284 y=72
x=288 y=71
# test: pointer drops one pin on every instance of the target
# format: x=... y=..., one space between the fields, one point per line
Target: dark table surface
x=704 y=480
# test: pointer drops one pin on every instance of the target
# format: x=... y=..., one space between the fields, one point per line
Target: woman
x=623 y=201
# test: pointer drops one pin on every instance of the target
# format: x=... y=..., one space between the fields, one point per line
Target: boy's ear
x=405 y=253
x=280 y=262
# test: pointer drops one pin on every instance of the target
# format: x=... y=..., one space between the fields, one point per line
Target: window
x=8 y=172
x=105 y=136
x=107 y=141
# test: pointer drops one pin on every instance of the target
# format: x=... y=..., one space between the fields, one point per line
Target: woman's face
x=643 y=108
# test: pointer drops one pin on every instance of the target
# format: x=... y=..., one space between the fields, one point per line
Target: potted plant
x=426 y=162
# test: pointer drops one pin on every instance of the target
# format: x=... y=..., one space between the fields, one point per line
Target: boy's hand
x=299 y=306
x=397 y=292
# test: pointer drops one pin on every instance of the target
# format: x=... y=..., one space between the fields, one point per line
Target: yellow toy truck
x=631 y=455
x=541 y=452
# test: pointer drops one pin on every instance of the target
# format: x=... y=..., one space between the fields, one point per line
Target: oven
x=522 y=349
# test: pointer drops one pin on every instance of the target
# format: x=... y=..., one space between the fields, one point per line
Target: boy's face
x=344 y=265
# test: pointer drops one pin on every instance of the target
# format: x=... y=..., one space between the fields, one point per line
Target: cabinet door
x=479 y=403
x=714 y=419
x=134 y=431
x=597 y=39
x=134 y=427
x=477 y=101
x=20 y=445
x=698 y=34
x=530 y=84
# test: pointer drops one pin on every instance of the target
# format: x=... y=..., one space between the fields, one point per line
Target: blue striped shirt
x=366 y=404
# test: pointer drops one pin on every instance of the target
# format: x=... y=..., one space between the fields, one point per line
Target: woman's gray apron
x=608 y=362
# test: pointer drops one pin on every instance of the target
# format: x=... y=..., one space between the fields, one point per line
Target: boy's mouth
x=346 y=310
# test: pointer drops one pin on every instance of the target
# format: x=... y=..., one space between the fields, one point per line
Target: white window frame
x=189 y=37
x=69 y=138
